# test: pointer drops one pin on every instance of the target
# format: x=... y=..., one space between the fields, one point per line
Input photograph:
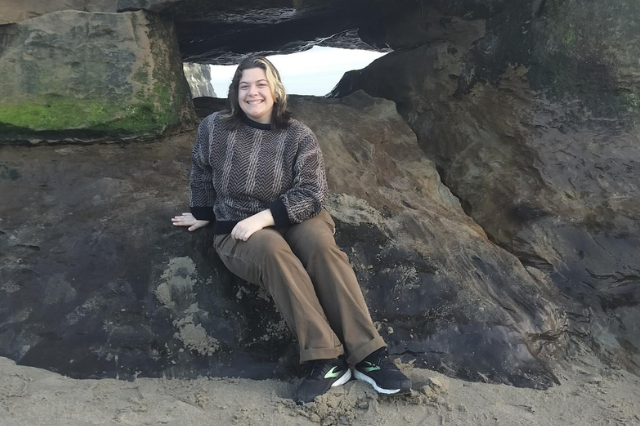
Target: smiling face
x=255 y=96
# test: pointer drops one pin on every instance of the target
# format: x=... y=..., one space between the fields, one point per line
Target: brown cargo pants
x=312 y=284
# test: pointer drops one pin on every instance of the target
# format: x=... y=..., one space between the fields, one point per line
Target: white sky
x=312 y=72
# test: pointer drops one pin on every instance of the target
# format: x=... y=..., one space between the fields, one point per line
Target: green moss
x=142 y=75
x=142 y=116
x=54 y=113
x=164 y=103
x=145 y=105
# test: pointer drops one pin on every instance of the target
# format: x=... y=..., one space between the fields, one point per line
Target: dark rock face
x=96 y=282
x=220 y=32
x=152 y=5
x=77 y=76
x=117 y=293
x=534 y=127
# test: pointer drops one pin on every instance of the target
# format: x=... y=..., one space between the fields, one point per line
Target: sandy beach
x=589 y=394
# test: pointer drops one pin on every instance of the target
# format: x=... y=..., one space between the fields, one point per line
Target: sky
x=312 y=72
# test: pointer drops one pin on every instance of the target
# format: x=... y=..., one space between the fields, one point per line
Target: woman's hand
x=246 y=228
x=187 y=219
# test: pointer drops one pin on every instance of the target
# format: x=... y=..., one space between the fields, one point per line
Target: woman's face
x=254 y=95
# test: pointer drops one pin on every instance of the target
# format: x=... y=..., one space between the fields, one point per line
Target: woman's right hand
x=187 y=219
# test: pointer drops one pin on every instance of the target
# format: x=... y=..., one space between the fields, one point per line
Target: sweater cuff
x=203 y=213
x=279 y=213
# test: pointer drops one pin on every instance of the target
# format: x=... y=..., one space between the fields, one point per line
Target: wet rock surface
x=534 y=126
x=97 y=283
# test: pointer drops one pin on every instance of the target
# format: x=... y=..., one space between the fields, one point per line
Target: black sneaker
x=381 y=373
x=324 y=374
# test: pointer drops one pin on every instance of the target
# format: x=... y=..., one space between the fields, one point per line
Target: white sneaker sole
x=342 y=380
x=369 y=380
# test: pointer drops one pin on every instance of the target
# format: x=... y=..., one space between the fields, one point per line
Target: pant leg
x=336 y=285
x=266 y=259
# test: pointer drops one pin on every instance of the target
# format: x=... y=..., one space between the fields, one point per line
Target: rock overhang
x=222 y=36
x=493 y=42
x=221 y=32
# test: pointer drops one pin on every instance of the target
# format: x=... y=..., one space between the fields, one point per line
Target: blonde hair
x=273 y=77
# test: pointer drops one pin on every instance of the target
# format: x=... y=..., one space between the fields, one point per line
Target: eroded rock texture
x=199 y=78
x=527 y=109
x=534 y=126
x=13 y=11
x=221 y=32
x=96 y=282
x=80 y=76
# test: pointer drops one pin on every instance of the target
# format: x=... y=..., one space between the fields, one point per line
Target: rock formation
x=74 y=76
x=13 y=11
x=125 y=292
x=534 y=127
x=199 y=78
x=221 y=31
x=500 y=239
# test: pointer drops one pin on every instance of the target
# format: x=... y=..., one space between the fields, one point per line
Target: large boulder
x=12 y=11
x=534 y=126
x=97 y=283
x=84 y=76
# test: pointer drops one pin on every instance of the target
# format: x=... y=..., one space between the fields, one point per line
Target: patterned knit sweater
x=237 y=173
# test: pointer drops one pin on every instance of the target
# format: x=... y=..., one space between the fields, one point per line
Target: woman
x=259 y=176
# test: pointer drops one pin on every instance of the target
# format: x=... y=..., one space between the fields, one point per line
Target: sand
x=590 y=394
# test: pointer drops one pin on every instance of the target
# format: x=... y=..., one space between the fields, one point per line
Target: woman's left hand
x=187 y=219
x=246 y=228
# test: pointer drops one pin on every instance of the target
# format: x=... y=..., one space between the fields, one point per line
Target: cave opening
x=313 y=72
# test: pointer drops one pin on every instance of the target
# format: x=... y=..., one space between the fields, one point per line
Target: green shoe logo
x=333 y=373
x=371 y=367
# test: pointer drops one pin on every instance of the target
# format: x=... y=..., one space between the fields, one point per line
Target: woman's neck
x=252 y=123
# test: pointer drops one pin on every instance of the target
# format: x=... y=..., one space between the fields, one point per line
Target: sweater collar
x=249 y=122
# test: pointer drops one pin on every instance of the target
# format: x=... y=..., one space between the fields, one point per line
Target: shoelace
x=383 y=359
